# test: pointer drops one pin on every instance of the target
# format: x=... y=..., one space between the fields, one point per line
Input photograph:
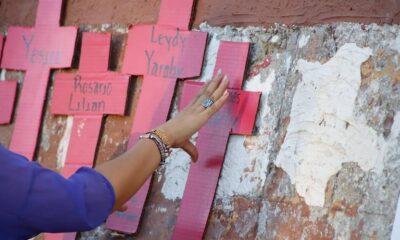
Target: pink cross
x=162 y=53
x=36 y=50
x=236 y=117
x=88 y=95
x=8 y=90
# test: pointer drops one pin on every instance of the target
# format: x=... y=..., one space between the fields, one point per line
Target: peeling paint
x=107 y=27
x=80 y=127
x=210 y=59
x=178 y=164
x=262 y=221
x=323 y=132
x=176 y=172
x=161 y=209
x=303 y=40
x=392 y=141
x=275 y=39
x=64 y=142
x=3 y=75
x=256 y=201
x=244 y=169
x=395 y=44
x=396 y=224
x=45 y=138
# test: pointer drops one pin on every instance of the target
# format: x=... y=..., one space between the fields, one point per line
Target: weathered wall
x=217 y=13
x=324 y=159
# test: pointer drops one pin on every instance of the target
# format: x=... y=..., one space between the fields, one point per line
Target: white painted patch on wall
x=119 y=29
x=104 y=27
x=233 y=180
x=176 y=173
x=3 y=75
x=396 y=224
x=395 y=44
x=303 y=40
x=394 y=148
x=64 y=142
x=177 y=165
x=210 y=59
x=244 y=169
x=81 y=126
x=395 y=130
x=257 y=84
x=275 y=39
x=161 y=209
x=323 y=133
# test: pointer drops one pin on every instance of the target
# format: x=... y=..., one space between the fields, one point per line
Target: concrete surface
x=324 y=160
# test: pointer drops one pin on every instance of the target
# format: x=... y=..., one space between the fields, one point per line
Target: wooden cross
x=8 y=90
x=88 y=95
x=236 y=117
x=36 y=50
x=162 y=53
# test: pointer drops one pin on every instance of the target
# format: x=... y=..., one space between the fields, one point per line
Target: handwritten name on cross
x=36 y=50
x=8 y=90
x=236 y=117
x=162 y=53
x=88 y=95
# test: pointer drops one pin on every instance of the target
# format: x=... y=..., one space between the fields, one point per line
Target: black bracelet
x=162 y=147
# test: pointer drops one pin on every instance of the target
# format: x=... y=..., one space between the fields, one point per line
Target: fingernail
x=226 y=92
x=225 y=79
x=219 y=72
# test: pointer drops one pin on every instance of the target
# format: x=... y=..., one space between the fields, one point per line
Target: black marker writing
x=176 y=40
x=27 y=43
x=169 y=70
x=149 y=57
x=234 y=97
x=227 y=115
x=126 y=216
x=44 y=57
x=84 y=105
x=92 y=87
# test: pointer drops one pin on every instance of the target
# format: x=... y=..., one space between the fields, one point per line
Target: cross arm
x=164 y=51
x=240 y=111
x=90 y=94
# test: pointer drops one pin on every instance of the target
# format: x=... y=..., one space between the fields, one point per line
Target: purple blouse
x=34 y=199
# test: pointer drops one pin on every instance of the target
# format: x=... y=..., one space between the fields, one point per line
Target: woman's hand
x=129 y=171
x=180 y=128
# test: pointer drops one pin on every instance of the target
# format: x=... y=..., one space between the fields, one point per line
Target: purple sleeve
x=34 y=199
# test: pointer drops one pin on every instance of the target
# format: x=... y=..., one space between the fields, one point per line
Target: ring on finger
x=208 y=102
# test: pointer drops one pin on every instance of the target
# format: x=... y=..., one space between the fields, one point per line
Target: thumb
x=188 y=147
x=123 y=208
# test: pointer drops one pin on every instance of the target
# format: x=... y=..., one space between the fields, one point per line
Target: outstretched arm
x=128 y=172
x=35 y=199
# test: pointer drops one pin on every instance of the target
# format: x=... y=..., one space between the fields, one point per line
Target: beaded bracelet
x=161 y=141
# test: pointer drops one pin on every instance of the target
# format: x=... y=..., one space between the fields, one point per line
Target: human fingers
x=123 y=208
x=203 y=90
x=208 y=90
x=210 y=111
x=187 y=122
x=217 y=94
x=188 y=147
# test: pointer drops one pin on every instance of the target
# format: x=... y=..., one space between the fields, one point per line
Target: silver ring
x=207 y=103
